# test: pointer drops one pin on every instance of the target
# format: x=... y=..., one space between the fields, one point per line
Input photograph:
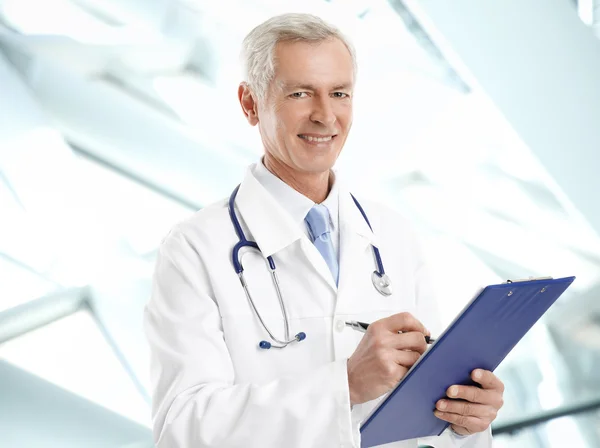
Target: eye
x=340 y=95
x=298 y=95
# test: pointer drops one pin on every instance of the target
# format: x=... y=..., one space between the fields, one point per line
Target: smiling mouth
x=313 y=139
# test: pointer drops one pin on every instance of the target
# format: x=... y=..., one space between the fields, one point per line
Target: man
x=213 y=384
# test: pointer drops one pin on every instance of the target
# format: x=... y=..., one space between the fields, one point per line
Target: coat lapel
x=269 y=225
x=356 y=238
x=272 y=228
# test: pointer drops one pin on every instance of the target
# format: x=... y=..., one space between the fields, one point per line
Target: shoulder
x=198 y=228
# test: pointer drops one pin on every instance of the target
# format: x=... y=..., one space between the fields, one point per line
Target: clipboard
x=481 y=336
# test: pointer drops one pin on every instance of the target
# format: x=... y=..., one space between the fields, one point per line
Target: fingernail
x=453 y=392
x=442 y=405
x=478 y=374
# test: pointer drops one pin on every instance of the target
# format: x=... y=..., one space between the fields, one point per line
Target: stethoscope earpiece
x=264 y=345
x=267 y=345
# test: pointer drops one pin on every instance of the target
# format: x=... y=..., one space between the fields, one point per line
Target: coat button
x=340 y=325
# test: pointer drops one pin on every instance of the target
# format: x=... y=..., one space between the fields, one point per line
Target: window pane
x=19 y=285
x=73 y=354
x=581 y=431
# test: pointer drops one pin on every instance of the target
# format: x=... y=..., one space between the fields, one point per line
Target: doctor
x=242 y=357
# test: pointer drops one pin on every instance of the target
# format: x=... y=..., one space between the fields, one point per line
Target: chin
x=318 y=164
x=314 y=159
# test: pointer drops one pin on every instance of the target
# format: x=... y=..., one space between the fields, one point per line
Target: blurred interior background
x=479 y=120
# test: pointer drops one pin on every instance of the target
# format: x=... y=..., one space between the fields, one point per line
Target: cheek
x=265 y=122
x=344 y=116
x=348 y=124
x=274 y=129
x=292 y=117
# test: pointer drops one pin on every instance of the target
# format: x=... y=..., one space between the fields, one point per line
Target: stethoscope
x=381 y=281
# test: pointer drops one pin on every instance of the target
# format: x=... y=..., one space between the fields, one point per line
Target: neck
x=314 y=186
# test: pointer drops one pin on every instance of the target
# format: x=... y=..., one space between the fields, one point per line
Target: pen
x=362 y=327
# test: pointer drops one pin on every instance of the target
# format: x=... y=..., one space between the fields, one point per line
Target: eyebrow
x=302 y=86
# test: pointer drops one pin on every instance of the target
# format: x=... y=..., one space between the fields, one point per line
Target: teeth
x=316 y=139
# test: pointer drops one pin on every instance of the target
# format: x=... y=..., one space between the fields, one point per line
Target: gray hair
x=258 y=48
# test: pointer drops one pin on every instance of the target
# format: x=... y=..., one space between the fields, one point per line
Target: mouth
x=316 y=139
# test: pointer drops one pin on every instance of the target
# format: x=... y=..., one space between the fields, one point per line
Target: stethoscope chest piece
x=382 y=283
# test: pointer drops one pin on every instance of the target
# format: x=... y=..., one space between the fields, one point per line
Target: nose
x=323 y=113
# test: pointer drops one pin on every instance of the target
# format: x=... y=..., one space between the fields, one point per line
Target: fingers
x=409 y=341
x=487 y=380
x=406 y=358
x=466 y=424
x=472 y=409
x=476 y=395
x=386 y=334
x=481 y=411
x=404 y=322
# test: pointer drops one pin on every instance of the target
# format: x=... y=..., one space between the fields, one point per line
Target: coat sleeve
x=428 y=310
x=195 y=401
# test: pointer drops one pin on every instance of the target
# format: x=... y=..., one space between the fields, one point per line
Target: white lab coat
x=213 y=386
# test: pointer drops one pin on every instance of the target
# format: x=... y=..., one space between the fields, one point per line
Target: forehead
x=316 y=63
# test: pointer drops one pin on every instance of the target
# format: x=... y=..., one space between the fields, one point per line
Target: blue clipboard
x=480 y=337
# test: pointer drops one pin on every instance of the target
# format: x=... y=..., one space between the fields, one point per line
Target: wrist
x=457 y=434
x=351 y=393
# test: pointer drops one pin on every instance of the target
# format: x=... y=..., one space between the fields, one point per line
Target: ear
x=248 y=103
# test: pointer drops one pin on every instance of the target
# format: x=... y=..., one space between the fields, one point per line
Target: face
x=306 y=115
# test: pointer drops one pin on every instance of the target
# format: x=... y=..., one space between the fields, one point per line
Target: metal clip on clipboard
x=530 y=279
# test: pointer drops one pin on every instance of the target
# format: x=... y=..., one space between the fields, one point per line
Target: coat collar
x=295 y=203
x=353 y=220
x=272 y=227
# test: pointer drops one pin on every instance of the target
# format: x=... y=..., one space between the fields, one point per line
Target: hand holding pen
x=362 y=327
x=388 y=349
